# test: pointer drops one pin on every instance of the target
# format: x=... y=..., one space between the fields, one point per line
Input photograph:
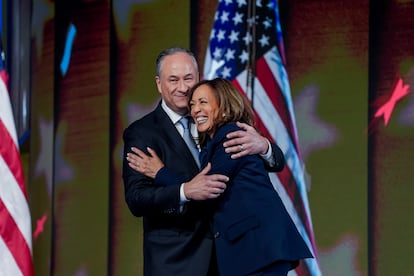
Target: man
x=177 y=238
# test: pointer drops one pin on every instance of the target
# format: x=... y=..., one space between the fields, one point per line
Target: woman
x=254 y=234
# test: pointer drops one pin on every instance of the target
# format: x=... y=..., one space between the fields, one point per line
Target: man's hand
x=148 y=165
x=204 y=186
x=245 y=142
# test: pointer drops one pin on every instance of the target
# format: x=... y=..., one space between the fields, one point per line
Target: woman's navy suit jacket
x=251 y=225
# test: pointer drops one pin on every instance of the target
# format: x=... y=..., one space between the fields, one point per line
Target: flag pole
x=251 y=49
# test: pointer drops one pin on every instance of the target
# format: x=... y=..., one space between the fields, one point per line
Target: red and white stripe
x=15 y=221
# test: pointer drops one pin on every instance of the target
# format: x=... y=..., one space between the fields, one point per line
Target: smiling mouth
x=201 y=120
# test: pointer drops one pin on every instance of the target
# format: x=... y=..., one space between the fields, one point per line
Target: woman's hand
x=148 y=165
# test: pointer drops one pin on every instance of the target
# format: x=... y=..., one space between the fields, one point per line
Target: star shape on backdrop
x=82 y=271
x=40 y=226
x=406 y=117
x=42 y=13
x=44 y=163
x=313 y=132
x=70 y=36
x=132 y=111
x=400 y=91
x=123 y=12
x=341 y=259
x=63 y=171
x=135 y=111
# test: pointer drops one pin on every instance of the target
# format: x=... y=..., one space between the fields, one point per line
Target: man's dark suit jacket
x=252 y=228
x=175 y=242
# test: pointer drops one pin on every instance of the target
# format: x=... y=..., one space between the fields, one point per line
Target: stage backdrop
x=93 y=68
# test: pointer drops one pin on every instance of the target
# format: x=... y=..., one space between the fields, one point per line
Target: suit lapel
x=173 y=137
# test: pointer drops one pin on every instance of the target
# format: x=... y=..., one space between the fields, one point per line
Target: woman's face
x=204 y=109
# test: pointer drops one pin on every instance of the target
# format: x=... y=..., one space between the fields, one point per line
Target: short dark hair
x=171 y=51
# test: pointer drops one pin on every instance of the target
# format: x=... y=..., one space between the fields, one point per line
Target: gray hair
x=171 y=51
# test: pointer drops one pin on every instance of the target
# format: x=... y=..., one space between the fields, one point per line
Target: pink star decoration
x=399 y=92
x=40 y=226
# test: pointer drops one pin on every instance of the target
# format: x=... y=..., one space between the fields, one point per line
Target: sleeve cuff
x=268 y=156
x=183 y=199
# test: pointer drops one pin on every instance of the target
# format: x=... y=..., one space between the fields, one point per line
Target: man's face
x=178 y=75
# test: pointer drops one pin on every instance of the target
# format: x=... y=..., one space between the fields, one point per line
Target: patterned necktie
x=189 y=141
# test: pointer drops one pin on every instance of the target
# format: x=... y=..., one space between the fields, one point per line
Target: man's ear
x=158 y=83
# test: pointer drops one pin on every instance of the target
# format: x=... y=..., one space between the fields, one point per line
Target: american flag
x=246 y=47
x=15 y=221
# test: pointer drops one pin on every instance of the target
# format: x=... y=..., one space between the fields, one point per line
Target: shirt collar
x=174 y=116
